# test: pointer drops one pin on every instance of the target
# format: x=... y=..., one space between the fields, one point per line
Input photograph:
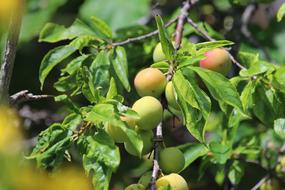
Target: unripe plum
x=270 y=184
x=150 y=82
x=171 y=160
x=135 y=187
x=280 y=168
x=175 y=181
x=150 y=111
x=147 y=137
x=217 y=60
x=170 y=96
x=158 y=54
x=145 y=178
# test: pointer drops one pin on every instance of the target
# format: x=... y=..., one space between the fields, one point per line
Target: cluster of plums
x=150 y=84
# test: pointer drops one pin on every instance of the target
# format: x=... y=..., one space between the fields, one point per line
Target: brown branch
x=156 y=169
x=10 y=51
x=205 y=35
x=142 y=37
x=24 y=96
x=256 y=187
x=180 y=24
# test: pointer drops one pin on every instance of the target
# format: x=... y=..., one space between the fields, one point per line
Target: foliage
x=94 y=69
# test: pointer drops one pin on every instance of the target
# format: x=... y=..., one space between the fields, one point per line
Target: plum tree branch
x=10 y=51
x=142 y=37
x=158 y=136
x=180 y=24
x=156 y=169
x=260 y=182
x=24 y=96
x=205 y=35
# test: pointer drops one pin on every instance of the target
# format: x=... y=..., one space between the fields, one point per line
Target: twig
x=245 y=17
x=156 y=169
x=24 y=96
x=208 y=37
x=142 y=37
x=10 y=52
x=256 y=187
x=180 y=24
x=202 y=32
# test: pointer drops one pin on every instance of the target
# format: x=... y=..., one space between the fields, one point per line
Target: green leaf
x=165 y=187
x=134 y=137
x=112 y=92
x=36 y=16
x=263 y=107
x=101 y=113
x=54 y=33
x=257 y=68
x=88 y=88
x=207 y=46
x=192 y=151
x=102 y=26
x=236 y=172
x=189 y=106
x=101 y=175
x=102 y=148
x=281 y=12
x=278 y=80
x=100 y=70
x=202 y=99
x=246 y=95
x=221 y=152
x=220 y=87
x=166 y=44
x=72 y=121
x=66 y=83
x=116 y=13
x=51 y=146
x=279 y=127
x=101 y=157
x=120 y=65
x=162 y=65
x=83 y=41
x=247 y=58
x=74 y=65
x=190 y=61
x=52 y=58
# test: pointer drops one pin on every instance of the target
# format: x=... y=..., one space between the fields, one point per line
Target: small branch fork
x=24 y=96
